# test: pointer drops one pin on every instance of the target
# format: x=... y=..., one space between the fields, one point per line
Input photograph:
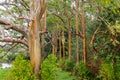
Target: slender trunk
x=60 y=48
x=70 y=45
x=84 y=34
x=54 y=41
x=69 y=42
x=45 y=26
x=56 y=44
x=63 y=44
x=53 y=49
x=77 y=29
x=43 y=36
x=53 y=44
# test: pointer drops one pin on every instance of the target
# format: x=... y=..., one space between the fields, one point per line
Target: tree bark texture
x=77 y=31
x=84 y=33
x=37 y=8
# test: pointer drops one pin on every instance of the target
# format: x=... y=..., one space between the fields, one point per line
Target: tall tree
x=30 y=36
x=37 y=9
x=77 y=31
x=69 y=42
x=84 y=33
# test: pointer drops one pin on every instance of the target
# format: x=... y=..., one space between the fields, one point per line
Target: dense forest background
x=60 y=39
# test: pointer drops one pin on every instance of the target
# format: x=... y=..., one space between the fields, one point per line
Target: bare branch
x=94 y=35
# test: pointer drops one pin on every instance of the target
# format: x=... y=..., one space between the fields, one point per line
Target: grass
x=3 y=73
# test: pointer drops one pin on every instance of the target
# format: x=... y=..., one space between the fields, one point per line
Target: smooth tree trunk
x=70 y=45
x=77 y=29
x=34 y=47
x=63 y=44
x=37 y=8
x=84 y=33
x=43 y=36
x=60 y=47
x=69 y=42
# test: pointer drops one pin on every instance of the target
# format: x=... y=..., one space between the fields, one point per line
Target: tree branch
x=57 y=15
x=13 y=26
x=14 y=40
x=94 y=35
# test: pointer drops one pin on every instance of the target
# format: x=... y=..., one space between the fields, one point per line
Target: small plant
x=106 y=71
x=117 y=71
x=20 y=70
x=69 y=65
x=81 y=71
x=49 y=68
x=3 y=73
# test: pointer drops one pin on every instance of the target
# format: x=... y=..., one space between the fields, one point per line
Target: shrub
x=81 y=71
x=21 y=70
x=49 y=68
x=106 y=71
x=3 y=73
x=117 y=71
x=69 y=65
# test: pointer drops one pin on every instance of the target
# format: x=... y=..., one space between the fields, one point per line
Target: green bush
x=69 y=65
x=117 y=71
x=106 y=71
x=21 y=70
x=3 y=73
x=49 y=68
x=81 y=71
x=66 y=65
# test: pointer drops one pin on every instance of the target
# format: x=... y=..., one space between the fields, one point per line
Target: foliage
x=3 y=73
x=117 y=71
x=81 y=71
x=106 y=71
x=66 y=65
x=69 y=65
x=21 y=70
x=0 y=65
x=62 y=75
x=7 y=56
x=104 y=14
x=49 y=68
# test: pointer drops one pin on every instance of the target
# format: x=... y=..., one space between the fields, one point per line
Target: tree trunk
x=63 y=44
x=60 y=47
x=34 y=47
x=77 y=29
x=69 y=41
x=70 y=45
x=43 y=36
x=37 y=8
x=84 y=34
